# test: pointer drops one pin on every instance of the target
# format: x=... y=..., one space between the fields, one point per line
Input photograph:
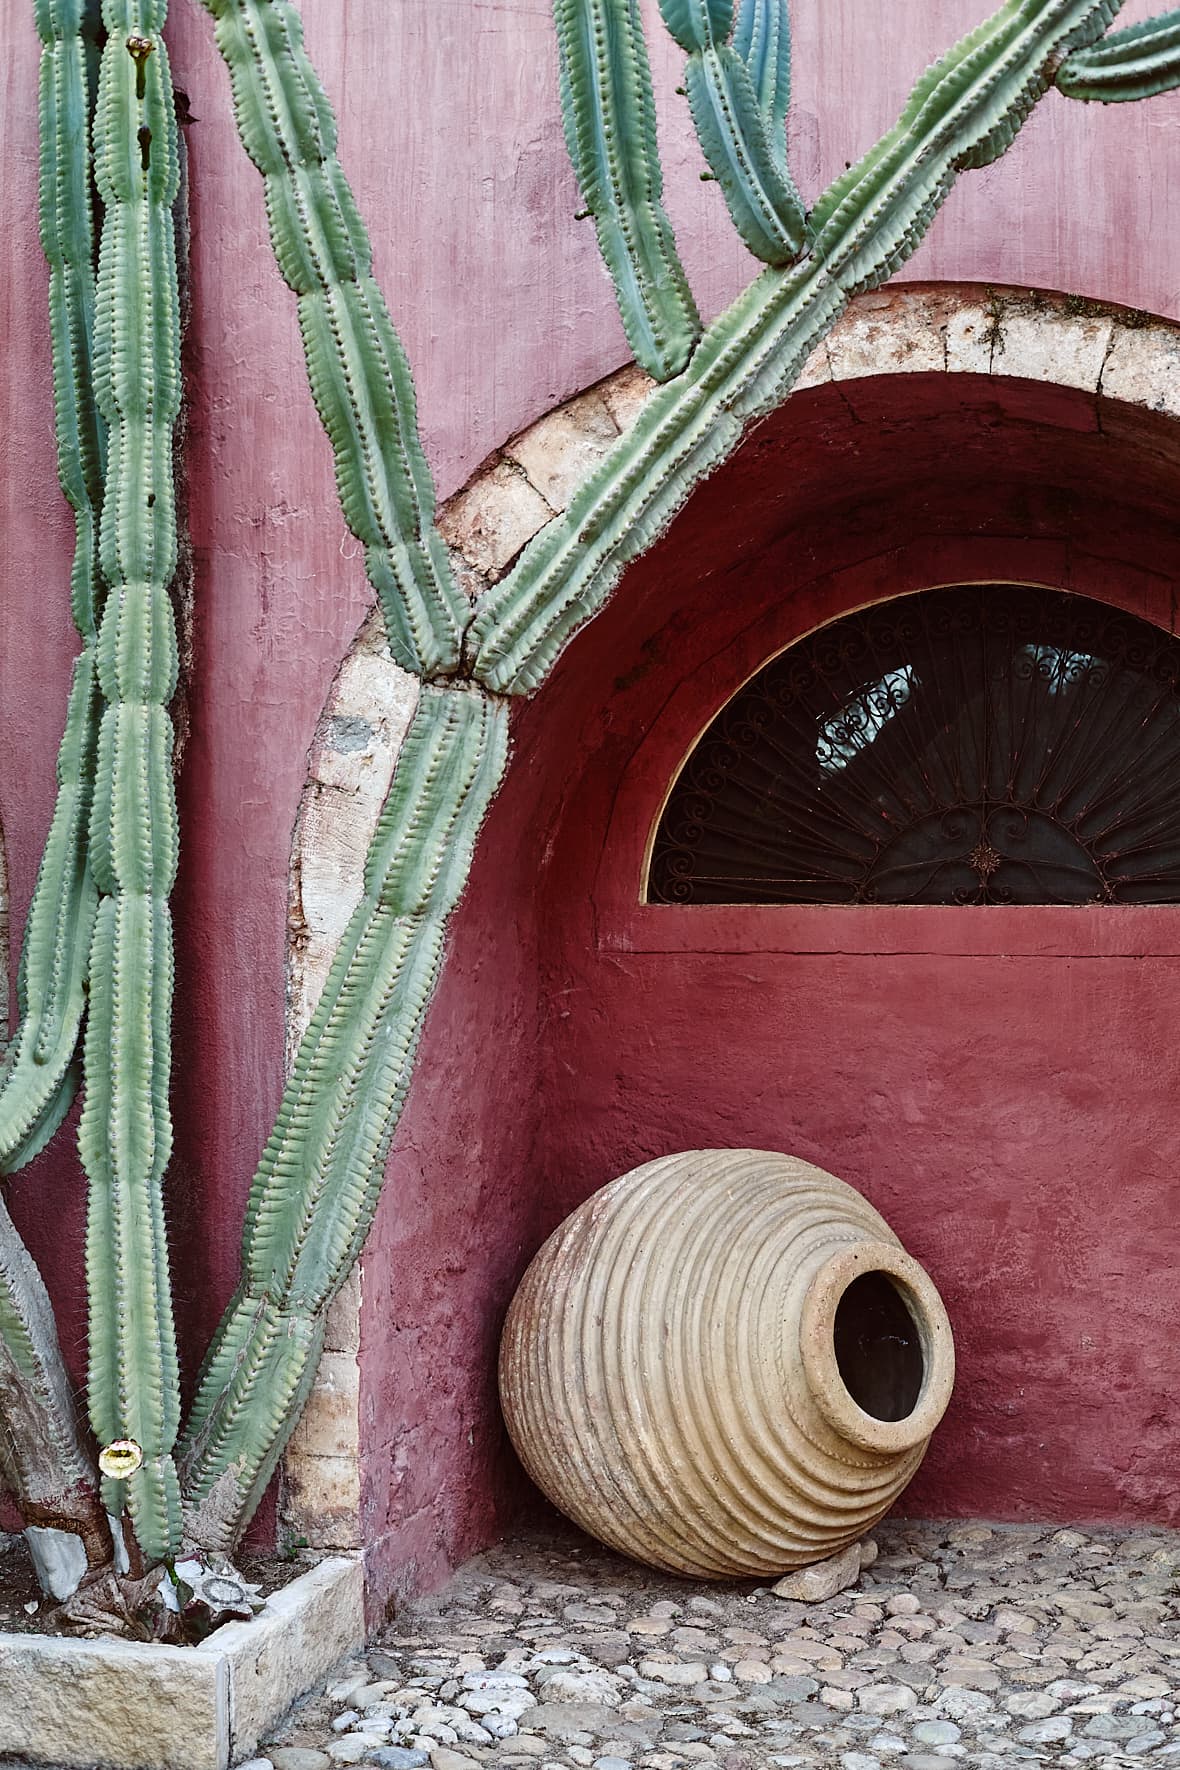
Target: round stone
x=1045 y=1732
x=937 y=1732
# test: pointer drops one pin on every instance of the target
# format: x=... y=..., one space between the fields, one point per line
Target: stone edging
x=142 y=1706
x=1110 y=352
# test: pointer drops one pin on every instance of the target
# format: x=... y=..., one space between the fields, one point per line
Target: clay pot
x=725 y=1364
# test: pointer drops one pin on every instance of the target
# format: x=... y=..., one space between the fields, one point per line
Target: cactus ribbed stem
x=320 y=1177
x=359 y=375
x=39 y=1075
x=735 y=132
x=1139 y=62
x=610 y=130
x=964 y=112
x=762 y=37
x=126 y=1130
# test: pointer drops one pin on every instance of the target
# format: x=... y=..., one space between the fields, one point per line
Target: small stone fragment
x=886 y=1699
x=937 y=1732
x=399 y=1757
x=752 y=1671
x=1045 y=1732
x=823 y=1579
x=602 y=1687
x=674 y=1671
x=295 y=1757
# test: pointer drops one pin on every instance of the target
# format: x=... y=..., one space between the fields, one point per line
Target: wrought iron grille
x=989 y=743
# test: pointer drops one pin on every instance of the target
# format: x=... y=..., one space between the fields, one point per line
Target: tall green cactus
x=39 y=1075
x=963 y=112
x=359 y=374
x=1139 y=62
x=42 y=1458
x=317 y=1187
x=610 y=131
x=126 y=1131
x=737 y=135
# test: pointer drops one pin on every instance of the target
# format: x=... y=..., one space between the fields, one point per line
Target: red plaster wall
x=1001 y=1083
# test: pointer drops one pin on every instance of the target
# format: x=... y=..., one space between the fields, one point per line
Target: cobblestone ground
x=964 y=1645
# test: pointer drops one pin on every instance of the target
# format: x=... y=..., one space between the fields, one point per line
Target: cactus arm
x=963 y=112
x=125 y=1133
x=733 y=131
x=358 y=371
x=38 y=1078
x=762 y=37
x=1139 y=62
x=317 y=1186
x=608 y=112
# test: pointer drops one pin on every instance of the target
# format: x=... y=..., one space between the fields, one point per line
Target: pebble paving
x=963 y=1645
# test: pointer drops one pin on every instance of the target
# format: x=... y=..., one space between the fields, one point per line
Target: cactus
x=735 y=132
x=963 y=112
x=762 y=37
x=317 y=1186
x=359 y=375
x=610 y=131
x=126 y=1131
x=40 y=1075
x=1138 y=62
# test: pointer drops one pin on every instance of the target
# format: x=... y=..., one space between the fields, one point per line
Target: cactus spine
x=316 y=1189
x=1139 y=62
x=963 y=112
x=735 y=132
x=126 y=1130
x=359 y=375
x=39 y=1075
x=610 y=131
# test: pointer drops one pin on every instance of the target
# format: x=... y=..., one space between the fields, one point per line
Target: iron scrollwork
x=984 y=744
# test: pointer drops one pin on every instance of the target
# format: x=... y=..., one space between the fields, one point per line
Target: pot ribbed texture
x=669 y=1372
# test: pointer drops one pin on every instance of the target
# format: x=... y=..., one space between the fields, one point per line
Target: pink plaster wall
x=450 y=131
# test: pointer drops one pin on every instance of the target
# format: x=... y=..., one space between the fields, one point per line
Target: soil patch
x=24 y=1610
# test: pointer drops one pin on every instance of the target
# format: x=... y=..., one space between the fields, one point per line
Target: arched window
x=989 y=743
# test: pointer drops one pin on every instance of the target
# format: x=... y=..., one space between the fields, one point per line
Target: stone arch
x=1113 y=355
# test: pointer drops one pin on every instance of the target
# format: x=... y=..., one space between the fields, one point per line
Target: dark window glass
x=991 y=743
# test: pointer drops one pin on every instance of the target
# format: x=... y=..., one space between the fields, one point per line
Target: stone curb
x=126 y=1705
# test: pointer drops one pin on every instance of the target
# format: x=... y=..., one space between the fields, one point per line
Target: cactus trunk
x=43 y=1461
x=126 y=1131
x=316 y=1190
x=40 y=1074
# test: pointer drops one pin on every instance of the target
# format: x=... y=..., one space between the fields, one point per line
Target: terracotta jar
x=725 y=1364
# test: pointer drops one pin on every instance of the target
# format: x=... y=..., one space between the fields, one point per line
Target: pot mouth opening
x=877 y=1348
